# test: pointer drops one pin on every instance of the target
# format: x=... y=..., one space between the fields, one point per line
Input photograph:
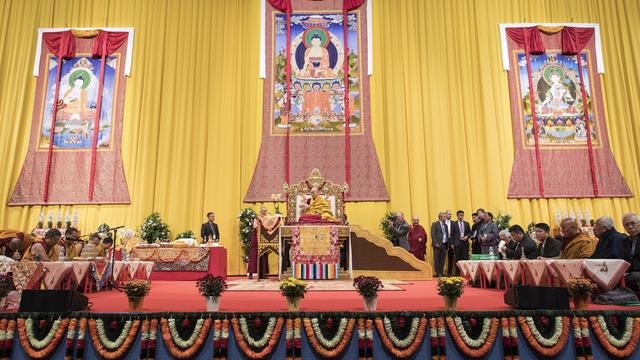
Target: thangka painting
x=312 y=134
x=75 y=162
x=317 y=78
x=561 y=141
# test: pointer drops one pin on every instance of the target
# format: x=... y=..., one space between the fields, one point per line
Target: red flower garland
x=220 y=339
x=148 y=341
x=47 y=350
x=365 y=339
x=628 y=349
x=266 y=351
x=293 y=339
x=82 y=332
x=509 y=338
x=541 y=349
x=437 y=339
x=71 y=336
x=581 y=338
x=409 y=350
x=174 y=349
x=467 y=350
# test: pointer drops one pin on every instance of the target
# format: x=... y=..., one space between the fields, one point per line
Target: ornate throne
x=299 y=193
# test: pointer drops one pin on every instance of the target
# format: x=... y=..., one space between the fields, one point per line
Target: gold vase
x=581 y=302
x=293 y=303
x=450 y=303
x=135 y=304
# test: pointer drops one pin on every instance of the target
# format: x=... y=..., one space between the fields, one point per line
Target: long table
x=549 y=272
x=184 y=263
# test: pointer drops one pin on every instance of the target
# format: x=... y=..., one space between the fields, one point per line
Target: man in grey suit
x=439 y=240
x=400 y=231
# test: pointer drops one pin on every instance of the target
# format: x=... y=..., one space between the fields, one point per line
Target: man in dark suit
x=523 y=244
x=549 y=247
x=631 y=223
x=400 y=231
x=209 y=230
x=439 y=242
x=463 y=229
x=454 y=244
x=611 y=242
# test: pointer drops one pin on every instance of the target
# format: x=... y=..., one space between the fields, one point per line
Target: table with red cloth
x=548 y=272
x=184 y=263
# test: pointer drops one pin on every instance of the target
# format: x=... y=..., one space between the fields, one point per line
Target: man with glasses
x=631 y=223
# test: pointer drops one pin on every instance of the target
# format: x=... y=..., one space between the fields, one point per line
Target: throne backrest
x=300 y=192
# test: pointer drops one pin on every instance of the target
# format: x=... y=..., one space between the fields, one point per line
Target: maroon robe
x=252 y=266
x=416 y=247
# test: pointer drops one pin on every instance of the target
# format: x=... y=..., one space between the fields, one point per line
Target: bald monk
x=318 y=208
x=45 y=250
x=10 y=243
x=577 y=244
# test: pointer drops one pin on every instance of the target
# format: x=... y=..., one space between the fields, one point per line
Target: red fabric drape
x=63 y=45
x=530 y=40
x=573 y=41
x=352 y=4
x=105 y=43
x=281 y=5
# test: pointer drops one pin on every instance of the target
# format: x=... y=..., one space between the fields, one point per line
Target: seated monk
x=45 y=250
x=10 y=243
x=577 y=245
x=105 y=245
x=316 y=209
x=72 y=244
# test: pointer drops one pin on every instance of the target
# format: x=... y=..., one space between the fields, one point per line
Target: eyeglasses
x=631 y=223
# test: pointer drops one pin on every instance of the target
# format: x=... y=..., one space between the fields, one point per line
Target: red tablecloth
x=217 y=267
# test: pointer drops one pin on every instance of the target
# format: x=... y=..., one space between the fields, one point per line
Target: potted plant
x=211 y=287
x=294 y=290
x=580 y=290
x=368 y=287
x=185 y=235
x=136 y=290
x=384 y=224
x=6 y=286
x=450 y=288
x=153 y=229
x=245 y=220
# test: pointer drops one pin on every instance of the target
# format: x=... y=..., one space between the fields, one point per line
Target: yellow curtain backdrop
x=440 y=106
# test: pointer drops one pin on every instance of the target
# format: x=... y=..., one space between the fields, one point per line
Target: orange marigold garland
x=252 y=348
x=545 y=346
x=619 y=347
x=473 y=347
x=409 y=344
x=329 y=348
x=365 y=339
x=437 y=339
x=71 y=337
x=179 y=347
x=41 y=348
x=96 y=330
x=293 y=339
x=220 y=339
x=510 y=339
x=581 y=338
x=148 y=339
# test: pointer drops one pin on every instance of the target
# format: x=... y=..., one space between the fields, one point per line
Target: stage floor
x=182 y=296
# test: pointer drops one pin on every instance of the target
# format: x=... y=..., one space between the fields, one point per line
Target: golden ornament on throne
x=315 y=200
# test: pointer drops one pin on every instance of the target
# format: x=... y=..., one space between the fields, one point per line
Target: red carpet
x=419 y=296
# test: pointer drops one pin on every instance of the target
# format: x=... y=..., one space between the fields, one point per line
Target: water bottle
x=61 y=254
x=491 y=251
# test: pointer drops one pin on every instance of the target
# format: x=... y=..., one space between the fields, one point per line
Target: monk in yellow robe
x=45 y=250
x=577 y=244
x=317 y=209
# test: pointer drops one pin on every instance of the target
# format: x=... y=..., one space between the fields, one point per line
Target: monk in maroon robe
x=417 y=239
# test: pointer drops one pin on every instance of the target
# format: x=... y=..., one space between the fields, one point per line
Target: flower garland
x=473 y=347
x=180 y=348
x=437 y=337
x=509 y=338
x=329 y=348
x=365 y=339
x=79 y=352
x=71 y=337
x=581 y=338
x=246 y=341
x=545 y=346
x=113 y=345
x=293 y=338
x=97 y=336
x=38 y=349
x=148 y=339
x=7 y=329
x=402 y=348
x=608 y=342
x=220 y=339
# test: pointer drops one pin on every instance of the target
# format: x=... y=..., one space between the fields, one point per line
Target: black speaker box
x=52 y=301
x=537 y=297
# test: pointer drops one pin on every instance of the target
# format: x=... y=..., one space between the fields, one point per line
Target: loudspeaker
x=537 y=297
x=52 y=301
